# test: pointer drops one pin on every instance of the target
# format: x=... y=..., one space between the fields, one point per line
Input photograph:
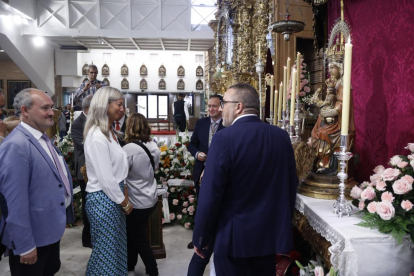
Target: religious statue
x=180 y=71
x=105 y=80
x=143 y=84
x=180 y=84
x=199 y=71
x=105 y=70
x=143 y=71
x=199 y=85
x=162 y=85
x=124 y=70
x=85 y=69
x=124 y=84
x=162 y=71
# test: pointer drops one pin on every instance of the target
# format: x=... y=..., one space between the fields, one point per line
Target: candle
x=283 y=92
x=126 y=100
x=287 y=80
x=73 y=95
x=276 y=108
x=279 y=114
x=271 y=93
x=347 y=88
x=259 y=49
x=299 y=70
x=292 y=97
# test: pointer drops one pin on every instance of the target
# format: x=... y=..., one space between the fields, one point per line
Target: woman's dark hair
x=137 y=129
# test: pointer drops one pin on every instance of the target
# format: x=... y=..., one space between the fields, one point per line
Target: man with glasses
x=203 y=134
x=248 y=190
x=90 y=86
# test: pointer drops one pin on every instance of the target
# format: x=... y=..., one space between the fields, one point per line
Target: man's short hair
x=24 y=97
x=247 y=94
x=92 y=66
x=220 y=97
x=86 y=102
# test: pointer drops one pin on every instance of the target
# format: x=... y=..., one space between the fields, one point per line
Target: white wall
x=118 y=58
x=36 y=62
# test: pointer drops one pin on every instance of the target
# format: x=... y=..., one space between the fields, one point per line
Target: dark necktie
x=117 y=128
x=57 y=162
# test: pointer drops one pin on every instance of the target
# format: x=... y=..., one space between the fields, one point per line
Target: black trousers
x=197 y=264
x=48 y=262
x=137 y=240
x=229 y=266
x=86 y=232
x=180 y=121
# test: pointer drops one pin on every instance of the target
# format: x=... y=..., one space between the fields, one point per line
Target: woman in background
x=106 y=202
x=143 y=159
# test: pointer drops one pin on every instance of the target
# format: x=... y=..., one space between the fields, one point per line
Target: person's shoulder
x=132 y=149
x=95 y=134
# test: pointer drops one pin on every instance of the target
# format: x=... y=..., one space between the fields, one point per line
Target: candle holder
x=297 y=119
x=287 y=120
x=341 y=206
x=282 y=120
x=270 y=120
x=293 y=136
x=259 y=71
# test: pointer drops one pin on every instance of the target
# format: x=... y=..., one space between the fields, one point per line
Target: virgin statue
x=326 y=134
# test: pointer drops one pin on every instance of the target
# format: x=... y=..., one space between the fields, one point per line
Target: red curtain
x=382 y=34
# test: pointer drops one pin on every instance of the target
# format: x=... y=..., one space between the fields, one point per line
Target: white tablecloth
x=357 y=250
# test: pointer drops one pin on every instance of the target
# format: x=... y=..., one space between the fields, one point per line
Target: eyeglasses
x=95 y=73
x=222 y=102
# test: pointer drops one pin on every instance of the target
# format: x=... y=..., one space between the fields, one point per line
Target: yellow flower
x=163 y=148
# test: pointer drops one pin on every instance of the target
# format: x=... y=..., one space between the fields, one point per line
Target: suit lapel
x=39 y=148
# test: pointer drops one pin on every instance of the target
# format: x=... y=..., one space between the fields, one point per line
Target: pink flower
x=395 y=160
x=187 y=225
x=162 y=179
x=406 y=205
x=375 y=178
x=172 y=216
x=410 y=147
x=364 y=184
x=179 y=217
x=184 y=211
x=163 y=221
x=372 y=207
x=304 y=81
x=307 y=89
x=191 y=209
x=390 y=174
x=319 y=271
x=387 y=196
x=175 y=201
x=191 y=199
x=402 y=186
x=381 y=186
x=402 y=164
x=185 y=204
x=410 y=157
x=356 y=192
x=302 y=76
x=379 y=169
x=302 y=94
x=409 y=178
x=361 y=205
x=172 y=190
x=385 y=210
x=368 y=193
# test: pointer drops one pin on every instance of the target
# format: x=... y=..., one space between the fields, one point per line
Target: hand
x=98 y=86
x=199 y=252
x=201 y=156
x=329 y=112
x=87 y=86
x=127 y=212
x=201 y=177
x=29 y=258
x=3 y=128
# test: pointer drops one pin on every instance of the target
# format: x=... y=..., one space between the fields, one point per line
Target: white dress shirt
x=106 y=164
x=242 y=117
x=142 y=186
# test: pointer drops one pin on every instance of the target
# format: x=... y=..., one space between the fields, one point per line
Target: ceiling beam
x=162 y=44
x=104 y=40
x=136 y=45
x=80 y=43
x=189 y=44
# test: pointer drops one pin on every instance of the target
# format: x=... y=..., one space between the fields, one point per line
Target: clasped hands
x=30 y=258
x=89 y=84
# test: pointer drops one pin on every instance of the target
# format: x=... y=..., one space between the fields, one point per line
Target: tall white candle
x=276 y=108
x=126 y=100
x=346 y=88
x=298 y=76
x=73 y=95
x=271 y=92
x=292 y=97
x=281 y=93
x=287 y=80
x=259 y=49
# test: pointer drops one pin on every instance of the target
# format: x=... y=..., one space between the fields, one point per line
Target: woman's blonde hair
x=137 y=129
x=98 y=110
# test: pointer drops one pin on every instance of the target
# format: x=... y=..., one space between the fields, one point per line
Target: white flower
x=170 y=152
x=191 y=159
x=171 y=156
x=175 y=160
x=186 y=173
x=395 y=160
x=164 y=153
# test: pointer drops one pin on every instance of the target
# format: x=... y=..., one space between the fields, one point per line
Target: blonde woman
x=106 y=201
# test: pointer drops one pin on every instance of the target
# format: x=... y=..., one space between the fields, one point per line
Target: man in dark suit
x=36 y=189
x=77 y=136
x=120 y=126
x=200 y=141
x=248 y=192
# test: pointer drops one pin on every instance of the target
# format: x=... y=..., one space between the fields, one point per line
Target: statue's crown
x=335 y=53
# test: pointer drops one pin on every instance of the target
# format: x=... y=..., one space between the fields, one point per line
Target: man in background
x=200 y=141
x=248 y=190
x=180 y=111
x=36 y=189
x=78 y=126
x=90 y=86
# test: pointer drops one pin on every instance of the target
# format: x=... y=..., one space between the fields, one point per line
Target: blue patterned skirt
x=108 y=231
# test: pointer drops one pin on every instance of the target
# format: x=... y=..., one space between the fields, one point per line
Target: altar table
x=356 y=250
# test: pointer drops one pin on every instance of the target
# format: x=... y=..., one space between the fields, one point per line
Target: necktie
x=117 y=128
x=214 y=127
x=57 y=162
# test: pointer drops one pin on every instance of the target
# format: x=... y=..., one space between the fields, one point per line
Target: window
x=154 y=106
x=199 y=59
x=130 y=56
x=154 y=57
x=202 y=11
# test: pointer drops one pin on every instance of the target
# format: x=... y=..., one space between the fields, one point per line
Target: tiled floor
x=74 y=257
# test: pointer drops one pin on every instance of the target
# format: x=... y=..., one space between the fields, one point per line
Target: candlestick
x=259 y=49
x=292 y=97
x=289 y=71
x=284 y=85
x=299 y=70
x=278 y=109
x=271 y=93
x=72 y=99
x=347 y=88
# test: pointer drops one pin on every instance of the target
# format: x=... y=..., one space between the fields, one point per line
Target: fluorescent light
x=39 y=41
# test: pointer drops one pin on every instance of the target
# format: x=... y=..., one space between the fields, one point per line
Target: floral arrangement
x=304 y=95
x=177 y=163
x=315 y=268
x=387 y=199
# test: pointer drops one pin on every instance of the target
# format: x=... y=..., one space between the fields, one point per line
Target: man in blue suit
x=35 y=189
x=200 y=141
x=248 y=192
